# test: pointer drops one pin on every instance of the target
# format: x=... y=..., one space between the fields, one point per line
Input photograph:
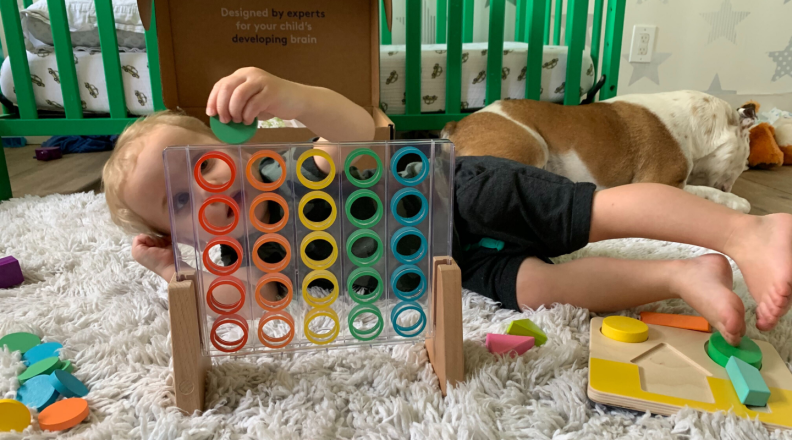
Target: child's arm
x=250 y=92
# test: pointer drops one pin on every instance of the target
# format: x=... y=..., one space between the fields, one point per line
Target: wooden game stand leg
x=445 y=346
x=189 y=364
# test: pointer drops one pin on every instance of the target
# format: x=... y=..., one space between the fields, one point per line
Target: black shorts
x=522 y=211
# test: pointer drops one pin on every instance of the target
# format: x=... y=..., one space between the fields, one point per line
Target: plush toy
x=783 y=135
x=765 y=152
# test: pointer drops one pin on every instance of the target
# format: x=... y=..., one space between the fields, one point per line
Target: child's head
x=134 y=176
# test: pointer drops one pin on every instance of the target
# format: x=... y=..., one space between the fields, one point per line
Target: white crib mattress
x=474 y=72
x=90 y=78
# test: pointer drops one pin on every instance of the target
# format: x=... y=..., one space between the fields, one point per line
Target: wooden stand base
x=190 y=366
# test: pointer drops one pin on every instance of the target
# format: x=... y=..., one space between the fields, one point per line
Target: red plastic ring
x=264 y=227
x=209 y=186
x=271 y=267
x=224 y=308
x=273 y=306
x=222 y=270
x=280 y=341
x=217 y=230
x=261 y=186
x=220 y=343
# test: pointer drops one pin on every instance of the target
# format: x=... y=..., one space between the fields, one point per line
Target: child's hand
x=155 y=254
x=251 y=92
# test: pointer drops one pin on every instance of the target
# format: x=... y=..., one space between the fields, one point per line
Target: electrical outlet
x=643 y=42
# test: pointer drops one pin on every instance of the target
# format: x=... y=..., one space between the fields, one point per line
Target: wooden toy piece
x=48 y=153
x=526 y=327
x=43 y=351
x=690 y=322
x=38 y=393
x=10 y=272
x=720 y=351
x=748 y=383
x=63 y=415
x=21 y=341
x=14 y=416
x=67 y=366
x=672 y=370
x=66 y=384
x=509 y=344
x=624 y=329
x=445 y=347
x=233 y=133
x=44 y=366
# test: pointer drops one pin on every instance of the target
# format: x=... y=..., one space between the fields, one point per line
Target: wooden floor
x=768 y=190
x=70 y=174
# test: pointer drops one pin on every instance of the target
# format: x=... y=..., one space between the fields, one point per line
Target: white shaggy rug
x=84 y=290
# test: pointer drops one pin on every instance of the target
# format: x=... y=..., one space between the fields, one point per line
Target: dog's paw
x=737 y=203
x=722 y=198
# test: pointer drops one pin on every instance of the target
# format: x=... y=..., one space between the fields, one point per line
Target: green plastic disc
x=44 y=366
x=67 y=366
x=720 y=351
x=21 y=341
x=233 y=133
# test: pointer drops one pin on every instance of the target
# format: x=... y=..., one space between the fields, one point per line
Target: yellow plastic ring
x=322 y=264
x=321 y=338
x=320 y=302
x=322 y=183
x=320 y=225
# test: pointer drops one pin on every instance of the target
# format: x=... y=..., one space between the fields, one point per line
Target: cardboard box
x=333 y=44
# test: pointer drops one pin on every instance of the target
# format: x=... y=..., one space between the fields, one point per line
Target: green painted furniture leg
x=413 y=61
x=614 y=28
x=110 y=58
x=72 y=104
x=453 y=71
x=385 y=33
x=559 y=12
x=535 y=20
x=596 y=35
x=440 y=23
x=577 y=13
x=495 y=50
x=5 y=181
x=467 y=33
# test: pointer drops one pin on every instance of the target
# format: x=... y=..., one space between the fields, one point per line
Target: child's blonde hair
x=124 y=157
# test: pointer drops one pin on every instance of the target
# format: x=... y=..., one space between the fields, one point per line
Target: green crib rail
x=73 y=122
x=532 y=26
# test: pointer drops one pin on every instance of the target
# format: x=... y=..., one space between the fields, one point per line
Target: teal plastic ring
x=362 y=272
x=364 y=261
x=371 y=181
x=368 y=334
x=369 y=222
x=413 y=330
x=415 y=257
x=413 y=180
x=413 y=294
x=417 y=218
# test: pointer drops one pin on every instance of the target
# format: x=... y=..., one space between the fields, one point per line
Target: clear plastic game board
x=304 y=246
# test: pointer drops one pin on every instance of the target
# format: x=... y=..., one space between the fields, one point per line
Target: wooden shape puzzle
x=671 y=370
x=624 y=329
x=721 y=351
x=509 y=344
x=748 y=383
x=689 y=322
x=526 y=327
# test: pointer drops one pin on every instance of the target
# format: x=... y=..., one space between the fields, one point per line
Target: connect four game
x=304 y=246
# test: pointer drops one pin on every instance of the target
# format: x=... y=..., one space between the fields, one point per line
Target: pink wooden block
x=512 y=344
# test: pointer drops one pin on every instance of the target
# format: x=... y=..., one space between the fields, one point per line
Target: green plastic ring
x=368 y=334
x=361 y=272
x=368 y=261
x=370 y=181
x=369 y=222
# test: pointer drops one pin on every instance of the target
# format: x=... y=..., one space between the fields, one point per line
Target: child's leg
x=608 y=284
x=761 y=246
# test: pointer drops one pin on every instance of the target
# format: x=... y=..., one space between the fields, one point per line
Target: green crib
x=454 y=26
x=73 y=121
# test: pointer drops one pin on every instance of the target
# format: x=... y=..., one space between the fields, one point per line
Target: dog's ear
x=748 y=113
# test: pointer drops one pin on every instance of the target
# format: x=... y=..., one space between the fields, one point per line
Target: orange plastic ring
x=280 y=341
x=271 y=267
x=273 y=306
x=264 y=227
x=222 y=270
x=217 y=230
x=220 y=343
x=223 y=308
x=261 y=186
x=208 y=186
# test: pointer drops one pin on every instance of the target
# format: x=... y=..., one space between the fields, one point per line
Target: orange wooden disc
x=63 y=415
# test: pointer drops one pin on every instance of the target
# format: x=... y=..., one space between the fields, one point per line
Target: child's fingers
x=211 y=103
x=225 y=90
x=241 y=98
x=253 y=109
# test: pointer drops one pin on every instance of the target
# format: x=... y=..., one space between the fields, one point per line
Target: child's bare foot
x=705 y=283
x=762 y=248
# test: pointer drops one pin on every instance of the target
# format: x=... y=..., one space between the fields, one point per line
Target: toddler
x=529 y=213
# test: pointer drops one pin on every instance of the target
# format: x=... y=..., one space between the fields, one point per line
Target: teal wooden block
x=748 y=383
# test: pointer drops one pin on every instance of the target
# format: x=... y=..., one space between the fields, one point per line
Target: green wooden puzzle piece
x=233 y=133
x=720 y=351
x=67 y=366
x=748 y=383
x=525 y=327
x=21 y=341
x=44 y=366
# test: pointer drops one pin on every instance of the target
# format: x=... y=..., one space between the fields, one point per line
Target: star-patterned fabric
x=724 y=22
x=783 y=60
